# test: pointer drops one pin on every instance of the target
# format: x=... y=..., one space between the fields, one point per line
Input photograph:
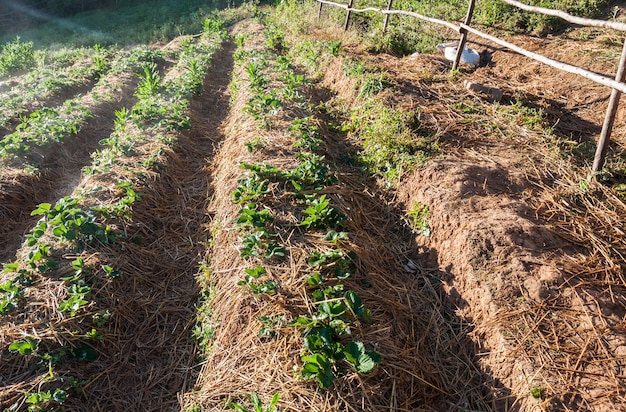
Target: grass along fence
x=617 y=84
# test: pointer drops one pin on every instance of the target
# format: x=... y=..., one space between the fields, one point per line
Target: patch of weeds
x=390 y=138
x=334 y=47
x=523 y=115
x=353 y=68
x=256 y=76
x=275 y=39
x=373 y=85
x=204 y=329
x=418 y=218
x=536 y=392
x=150 y=82
x=467 y=108
x=100 y=61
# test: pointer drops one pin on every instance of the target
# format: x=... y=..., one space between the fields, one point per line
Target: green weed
x=257 y=404
x=418 y=218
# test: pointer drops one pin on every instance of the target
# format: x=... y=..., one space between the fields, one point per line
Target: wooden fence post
x=468 y=20
x=345 y=26
x=319 y=12
x=609 y=119
x=387 y=16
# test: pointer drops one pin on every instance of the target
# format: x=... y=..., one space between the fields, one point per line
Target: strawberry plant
x=334 y=261
x=9 y=296
x=69 y=222
x=250 y=188
x=270 y=325
x=42 y=400
x=320 y=215
x=306 y=134
x=251 y=281
x=78 y=293
x=261 y=106
x=310 y=173
x=254 y=245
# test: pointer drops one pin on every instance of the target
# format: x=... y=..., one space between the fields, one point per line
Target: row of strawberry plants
x=51 y=125
x=161 y=104
x=57 y=72
x=70 y=228
x=337 y=310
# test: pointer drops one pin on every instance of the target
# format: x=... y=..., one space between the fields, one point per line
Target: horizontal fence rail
x=617 y=85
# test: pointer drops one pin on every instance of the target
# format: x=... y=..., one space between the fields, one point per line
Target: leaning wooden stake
x=319 y=12
x=387 y=16
x=609 y=119
x=468 y=20
x=345 y=26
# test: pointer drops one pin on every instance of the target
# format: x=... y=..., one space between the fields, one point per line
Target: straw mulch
x=426 y=353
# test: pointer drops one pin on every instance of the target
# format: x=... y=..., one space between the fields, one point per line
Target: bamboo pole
x=459 y=50
x=387 y=16
x=609 y=119
x=349 y=9
x=598 y=78
x=568 y=17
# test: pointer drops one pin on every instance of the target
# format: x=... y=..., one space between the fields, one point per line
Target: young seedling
x=257 y=404
x=251 y=281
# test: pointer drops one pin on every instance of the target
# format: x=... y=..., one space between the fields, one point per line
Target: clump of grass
x=391 y=139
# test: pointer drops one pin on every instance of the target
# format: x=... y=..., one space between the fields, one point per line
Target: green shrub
x=16 y=56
